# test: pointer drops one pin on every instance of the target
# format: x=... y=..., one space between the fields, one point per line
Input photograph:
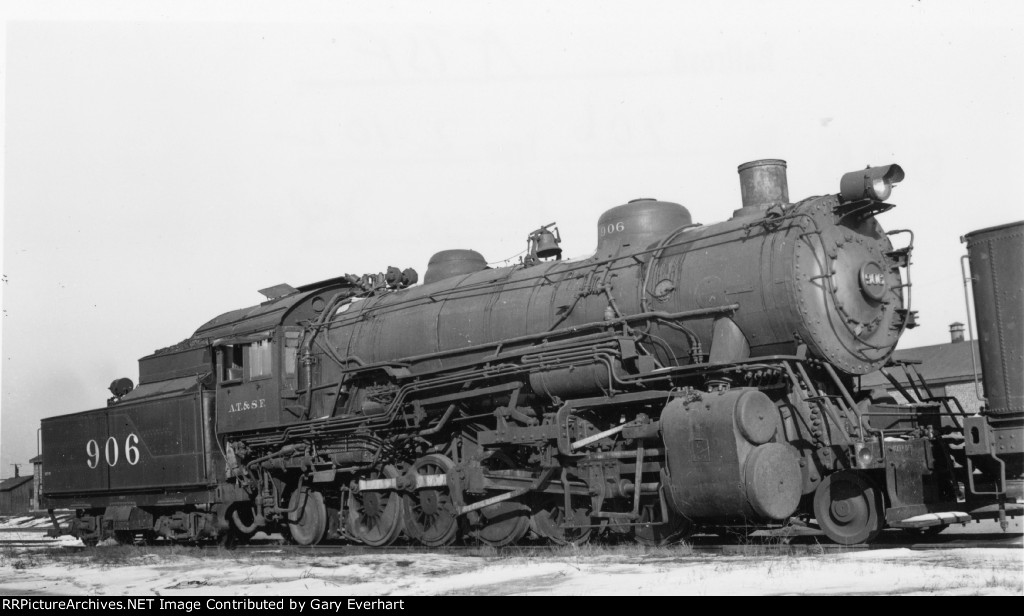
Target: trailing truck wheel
x=307 y=521
x=847 y=508
x=430 y=516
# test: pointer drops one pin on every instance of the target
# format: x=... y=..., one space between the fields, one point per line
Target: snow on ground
x=172 y=571
x=31 y=564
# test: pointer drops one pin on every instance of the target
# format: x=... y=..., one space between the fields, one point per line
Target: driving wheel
x=430 y=516
x=549 y=521
x=503 y=523
x=375 y=518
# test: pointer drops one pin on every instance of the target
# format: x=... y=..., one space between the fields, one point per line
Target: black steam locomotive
x=683 y=376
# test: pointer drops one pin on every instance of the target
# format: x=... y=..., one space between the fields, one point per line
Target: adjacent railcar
x=148 y=462
x=994 y=444
x=683 y=376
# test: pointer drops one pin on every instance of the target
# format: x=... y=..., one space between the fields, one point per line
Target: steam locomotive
x=684 y=376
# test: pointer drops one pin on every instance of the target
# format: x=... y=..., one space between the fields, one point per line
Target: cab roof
x=265 y=316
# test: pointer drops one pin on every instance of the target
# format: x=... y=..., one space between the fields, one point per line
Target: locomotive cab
x=248 y=389
x=257 y=360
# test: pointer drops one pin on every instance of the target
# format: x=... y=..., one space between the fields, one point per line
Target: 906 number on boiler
x=610 y=228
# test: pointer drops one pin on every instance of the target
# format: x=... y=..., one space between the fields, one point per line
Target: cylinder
x=762 y=183
x=997 y=269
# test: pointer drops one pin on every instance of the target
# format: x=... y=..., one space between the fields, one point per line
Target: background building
x=16 y=494
x=947 y=368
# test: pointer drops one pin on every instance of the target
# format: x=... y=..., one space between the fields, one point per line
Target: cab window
x=291 y=351
x=250 y=360
x=259 y=359
x=232 y=362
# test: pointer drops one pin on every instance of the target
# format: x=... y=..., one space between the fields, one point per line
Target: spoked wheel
x=429 y=513
x=549 y=518
x=375 y=518
x=504 y=523
x=653 y=532
x=307 y=521
x=846 y=506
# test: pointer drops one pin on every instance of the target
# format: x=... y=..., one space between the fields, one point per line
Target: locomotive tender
x=683 y=376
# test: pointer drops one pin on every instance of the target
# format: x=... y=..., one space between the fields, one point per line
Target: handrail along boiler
x=683 y=376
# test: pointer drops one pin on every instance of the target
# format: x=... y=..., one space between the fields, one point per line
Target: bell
x=547 y=245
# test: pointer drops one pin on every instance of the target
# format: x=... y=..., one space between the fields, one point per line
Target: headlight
x=873 y=183
x=880 y=189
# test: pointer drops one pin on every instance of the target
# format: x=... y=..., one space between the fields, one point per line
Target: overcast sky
x=162 y=162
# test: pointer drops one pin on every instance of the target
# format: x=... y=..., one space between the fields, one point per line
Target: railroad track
x=698 y=546
x=801 y=545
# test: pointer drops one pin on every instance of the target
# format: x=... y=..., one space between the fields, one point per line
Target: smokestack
x=762 y=183
x=956 y=332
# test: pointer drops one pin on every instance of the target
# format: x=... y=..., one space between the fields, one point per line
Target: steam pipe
x=970 y=329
